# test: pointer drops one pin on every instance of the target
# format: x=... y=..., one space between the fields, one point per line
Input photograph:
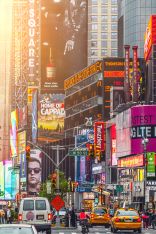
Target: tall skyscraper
x=5 y=55
x=133 y=17
x=102 y=29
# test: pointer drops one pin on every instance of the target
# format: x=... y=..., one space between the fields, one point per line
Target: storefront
x=131 y=176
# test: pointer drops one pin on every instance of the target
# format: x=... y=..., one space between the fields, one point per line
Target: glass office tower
x=102 y=29
x=133 y=17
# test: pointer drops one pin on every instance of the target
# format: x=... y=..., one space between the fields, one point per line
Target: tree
x=63 y=186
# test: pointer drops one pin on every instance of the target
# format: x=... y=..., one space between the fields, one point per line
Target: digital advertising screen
x=13 y=134
x=63 y=41
x=34 y=115
x=21 y=136
x=51 y=115
x=2 y=179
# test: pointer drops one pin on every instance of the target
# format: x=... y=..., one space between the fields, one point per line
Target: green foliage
x=63 y=186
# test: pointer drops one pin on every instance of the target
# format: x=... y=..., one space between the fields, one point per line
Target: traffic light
x=53 y=180
x=90 y=150
x=27 y=152
x=74 y=185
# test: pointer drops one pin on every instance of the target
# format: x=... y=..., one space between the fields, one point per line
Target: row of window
x=94 y=44
x=104 y=18
x=104 y=2
x=104 y=10
x=104 y=27
x=104 y=52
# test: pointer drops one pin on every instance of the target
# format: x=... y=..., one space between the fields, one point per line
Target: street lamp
x=144 y=143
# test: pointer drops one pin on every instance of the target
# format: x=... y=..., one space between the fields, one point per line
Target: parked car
x=17 y=229
x=36 y=211
x=126 y=219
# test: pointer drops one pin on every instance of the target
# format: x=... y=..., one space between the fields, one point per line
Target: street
x=97 y=230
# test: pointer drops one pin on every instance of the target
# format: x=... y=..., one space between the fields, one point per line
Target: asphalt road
x=97 y=230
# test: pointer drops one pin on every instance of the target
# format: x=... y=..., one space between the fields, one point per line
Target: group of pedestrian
x=5 y=216
x=147 y=217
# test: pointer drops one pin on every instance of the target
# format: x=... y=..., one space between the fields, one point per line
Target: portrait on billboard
x=63 y=41
x=34 y=172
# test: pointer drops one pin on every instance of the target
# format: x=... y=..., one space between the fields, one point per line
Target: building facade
x=133 y=17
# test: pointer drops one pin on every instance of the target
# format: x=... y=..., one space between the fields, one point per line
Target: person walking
x=145 y=219
x=9 y=216
x=73 y=218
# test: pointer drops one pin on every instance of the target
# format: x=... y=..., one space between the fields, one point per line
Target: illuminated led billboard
x=13 y=134
x=2 y=179
x=50 y=116
x=63 y=41
x=34 y=116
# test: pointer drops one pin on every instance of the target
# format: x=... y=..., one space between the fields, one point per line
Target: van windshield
x=40 y=205
x=28 y=205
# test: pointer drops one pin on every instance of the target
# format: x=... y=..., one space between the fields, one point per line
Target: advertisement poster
x=151 y=164
x=21 y=136
x=2 y=180
x=13 y=134
x=143 y=125
x=34 y=116
x=63 y=41
x=51 y=115
x=34 y=172
x=23 y=167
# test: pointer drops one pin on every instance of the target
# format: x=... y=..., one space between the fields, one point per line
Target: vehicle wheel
x=107 y=225
x=139 y=230
x=48 y=231
x=111 y=229
x=154 y=226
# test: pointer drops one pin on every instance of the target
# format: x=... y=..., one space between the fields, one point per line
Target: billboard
x=22 y=117
x=34 y=116
x=34 y=172
x=21 y=136
x=151 y=159
x=23 y=167
x=51 y=115
x=63 y=41
x=113 y=73
x=143 y=125
x=150 y=37
x=113 y=145
x=2 y=179
x=123 y=139
x=13 y=134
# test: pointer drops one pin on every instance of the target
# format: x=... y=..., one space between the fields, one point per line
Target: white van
x=36 y=211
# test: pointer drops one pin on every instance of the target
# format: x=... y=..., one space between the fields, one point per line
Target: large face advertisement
x=50 y=116
x=13 y=134
x=63 y=41
x=143 y=124
x=34 y=172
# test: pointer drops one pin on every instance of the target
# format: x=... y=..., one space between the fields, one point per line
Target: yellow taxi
x=99 y=216
x=126 y=219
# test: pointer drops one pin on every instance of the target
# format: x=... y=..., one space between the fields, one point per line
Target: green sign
x=78 y=152
x=150 y=164
x=119 y=188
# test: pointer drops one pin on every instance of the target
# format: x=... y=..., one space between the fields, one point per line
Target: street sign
x=78 y=152
x=57 y=203
x=119 y=188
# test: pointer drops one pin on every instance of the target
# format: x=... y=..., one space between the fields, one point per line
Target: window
x=104 y=52
x=113 y=53
x=94 y=18
x=93 y=52
x=114 y=10
x=40 y=205
x=104 y=27
x=93 y=35
x=114 y=27
x=94 y=27
x=114 y=18
x=94 y=44
x=28 y=205
x=104 y=1
x=114 y=35
x=103 y=43
x=114 y=1
x=114 y=44
x=104 y=10
x=94 y=1
x=94 y=9
x=104 y=18
x=104 y=35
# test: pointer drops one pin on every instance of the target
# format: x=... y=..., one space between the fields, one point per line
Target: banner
x=99 y=135
x=126 y=78
x=51 y=115
x=135 y=75
x=13 y=134
x=150 y=164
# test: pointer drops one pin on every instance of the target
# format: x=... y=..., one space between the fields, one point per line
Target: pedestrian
x=9 y=216
x=145 y=219
x=73 y=218
x=5 y=215
x=66 y=218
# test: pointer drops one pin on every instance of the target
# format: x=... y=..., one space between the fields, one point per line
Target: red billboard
x=133 y=161
x=99 y=135
x=150 y=37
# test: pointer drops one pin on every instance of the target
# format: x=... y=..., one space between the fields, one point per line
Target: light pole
x=144 y=143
